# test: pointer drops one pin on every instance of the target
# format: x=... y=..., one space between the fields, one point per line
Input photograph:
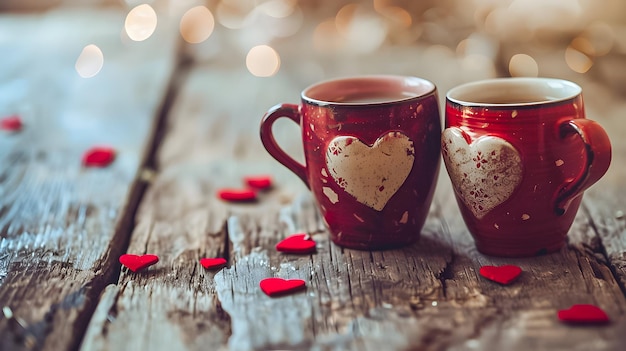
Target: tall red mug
x=371 y=150
x=520 y=154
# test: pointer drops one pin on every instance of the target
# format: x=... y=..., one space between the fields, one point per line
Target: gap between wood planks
x=138 y=189
x=598 y=247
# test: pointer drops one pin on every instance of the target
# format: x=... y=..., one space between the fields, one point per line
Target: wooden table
x=184 y=120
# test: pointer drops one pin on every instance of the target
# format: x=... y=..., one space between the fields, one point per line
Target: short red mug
x=372 y=151
x=520 y=153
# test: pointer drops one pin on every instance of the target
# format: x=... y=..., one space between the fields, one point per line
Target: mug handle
x=597 y=160
x=292 y=112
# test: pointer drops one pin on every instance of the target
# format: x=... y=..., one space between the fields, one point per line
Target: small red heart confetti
x=279 y=286
x=136 y=262
x=583 y=314
x=297 y=243
x=261 y=182
x=503 y=274
x=237 y=195
x=211 y=263
x=11 y=123
x=99 y=156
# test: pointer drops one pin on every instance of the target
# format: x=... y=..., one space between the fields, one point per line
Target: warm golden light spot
x=493 y=20
x=229 y=16
x=364 y=30
x=397 y=15
x=141 y=22
x=279 y=8
x=197 y=24
x=325 y=36
x=380 y=5
x=522 y=65
x=477 y=44
x=263 y=61
x=90 y=61
x=577 y=61
x=461 y=47
x=345 y=17
x=583 y=45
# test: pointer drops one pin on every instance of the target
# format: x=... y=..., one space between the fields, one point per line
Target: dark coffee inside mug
x=511 y=92
x=367 y=90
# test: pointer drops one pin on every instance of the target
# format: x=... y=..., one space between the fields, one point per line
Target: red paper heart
x=297 y=243
x=583 y=314
x=211 y=263
x=279 y=286
x=237 y=195
x=136 y=263
x=99 y=156
x=261 y=182
x=11 y=123
x=504 y=274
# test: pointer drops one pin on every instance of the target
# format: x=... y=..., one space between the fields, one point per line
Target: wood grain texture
x=174 y=304
x=61 y=225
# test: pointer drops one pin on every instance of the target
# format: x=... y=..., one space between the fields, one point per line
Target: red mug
x=371 y=150
x=520 y=153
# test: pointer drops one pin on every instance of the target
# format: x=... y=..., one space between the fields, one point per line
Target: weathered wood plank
x=606 y=210
x=208 y=144
x=62 y=226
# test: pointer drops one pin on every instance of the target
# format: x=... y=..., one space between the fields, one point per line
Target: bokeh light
x=263 y=61
x=325 y=36
x=364 y=31
x=90 y=61
x=522 y=65
x=197 y=24
x=477 y=44
x=577 y=61
x=397 y=16
x=278 y=8
x=583 y=45
x=269 y=22
x=229 y=15
x=141 y=22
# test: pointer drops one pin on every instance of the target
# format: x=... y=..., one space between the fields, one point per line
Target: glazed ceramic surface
x=520 y=153
x=371 y=166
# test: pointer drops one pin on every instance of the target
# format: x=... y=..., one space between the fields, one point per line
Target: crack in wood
x=601 y=249
x=227 y=243
x=447 y=274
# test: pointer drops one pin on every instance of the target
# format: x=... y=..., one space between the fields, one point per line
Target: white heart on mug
x=372 y=174
x=484 y=173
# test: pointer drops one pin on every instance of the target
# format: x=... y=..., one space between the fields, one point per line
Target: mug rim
x=572 y=90
x=429 y=89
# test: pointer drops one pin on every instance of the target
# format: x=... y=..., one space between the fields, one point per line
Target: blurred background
x=468 y=39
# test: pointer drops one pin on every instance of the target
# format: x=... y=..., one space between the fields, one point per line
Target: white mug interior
x=502 y=92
